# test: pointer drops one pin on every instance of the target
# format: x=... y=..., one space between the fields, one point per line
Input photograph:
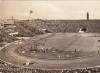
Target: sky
x=70 y=9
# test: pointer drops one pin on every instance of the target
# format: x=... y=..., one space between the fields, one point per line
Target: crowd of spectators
x=38 y=26
x=63 y=25
x=9 y=68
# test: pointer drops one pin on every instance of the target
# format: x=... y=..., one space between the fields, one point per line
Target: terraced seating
x=27 y=30
x=32 y=27
x=68 y=25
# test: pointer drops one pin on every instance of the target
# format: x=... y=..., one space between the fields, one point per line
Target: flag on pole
x=30 y=14
x=31 y=11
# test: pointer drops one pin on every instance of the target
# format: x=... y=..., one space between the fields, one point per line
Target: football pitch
x=55 y=51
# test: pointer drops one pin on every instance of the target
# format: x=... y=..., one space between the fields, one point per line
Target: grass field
x=66 y=42
x=83 y=49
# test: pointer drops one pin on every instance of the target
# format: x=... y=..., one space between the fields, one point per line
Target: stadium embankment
x=38 y=26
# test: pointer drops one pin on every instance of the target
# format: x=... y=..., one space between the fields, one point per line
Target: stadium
x=50 y=46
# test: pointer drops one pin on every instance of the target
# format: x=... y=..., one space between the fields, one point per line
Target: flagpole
x=30 y=14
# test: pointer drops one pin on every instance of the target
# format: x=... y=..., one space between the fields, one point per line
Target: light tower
x=87 y=16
